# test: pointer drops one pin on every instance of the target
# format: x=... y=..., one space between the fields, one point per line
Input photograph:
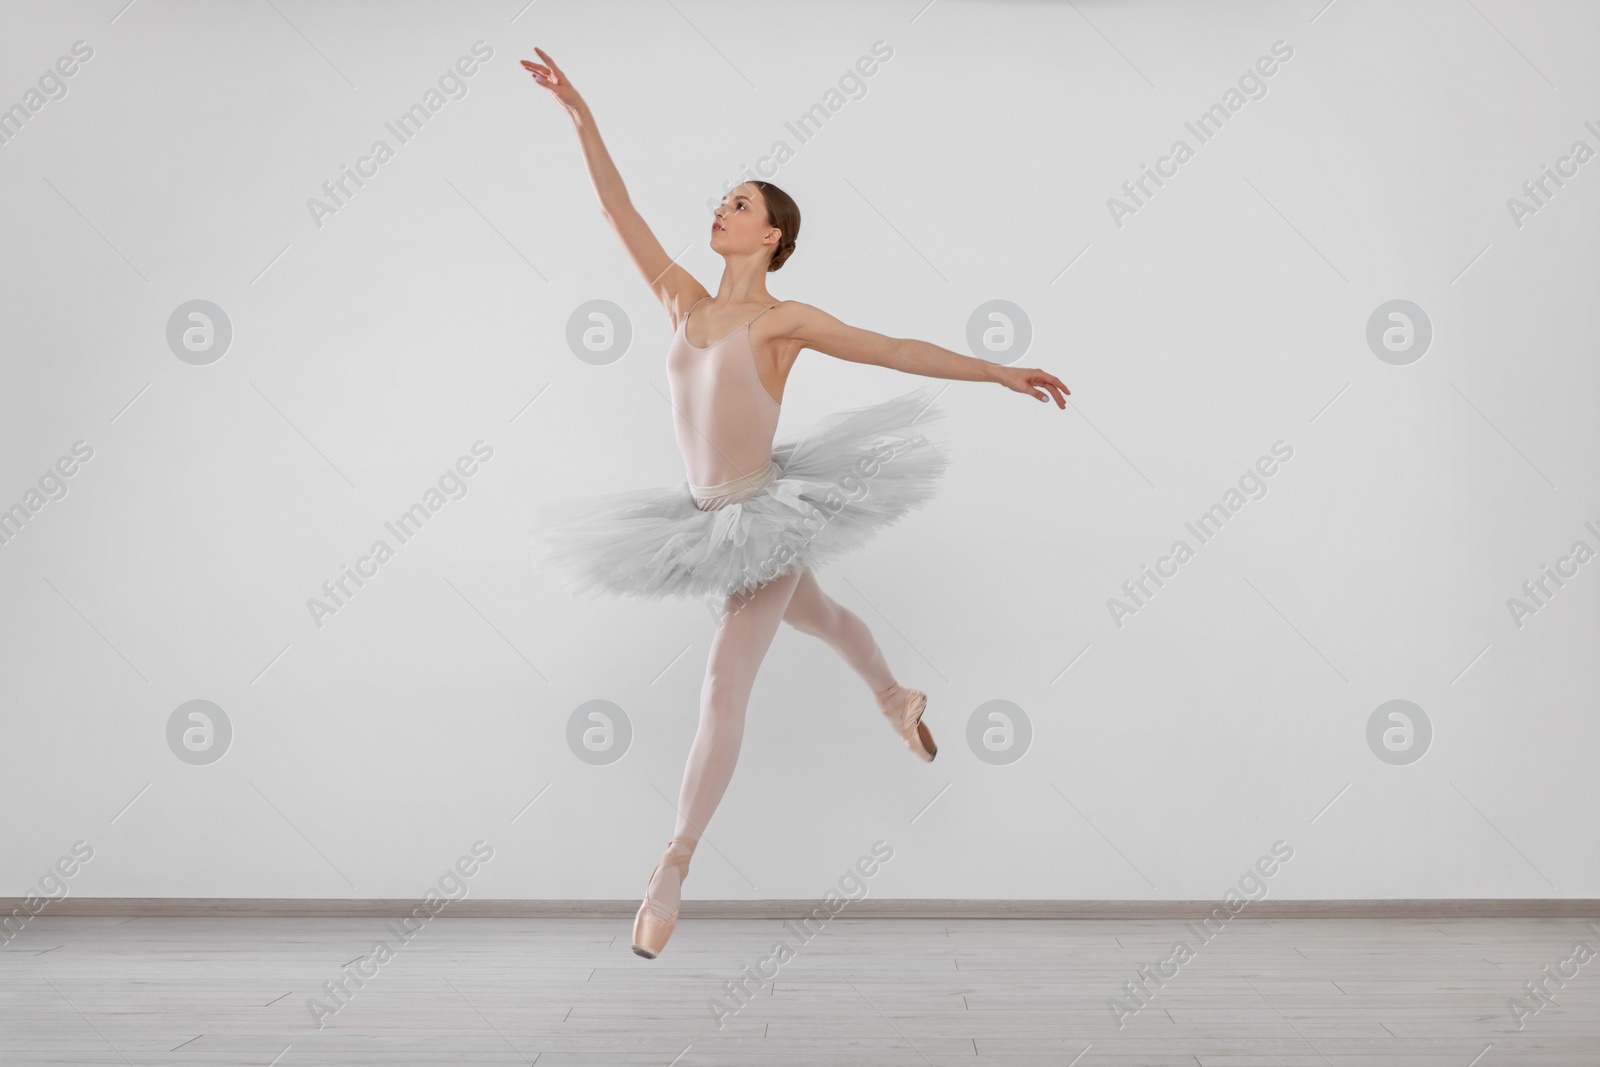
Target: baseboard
x=867 y=908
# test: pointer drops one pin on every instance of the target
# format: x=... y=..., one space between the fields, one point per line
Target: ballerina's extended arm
x=675 y=287
x=816 y=329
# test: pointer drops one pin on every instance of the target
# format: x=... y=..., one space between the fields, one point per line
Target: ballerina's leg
x=740 y=643
x=811 y=611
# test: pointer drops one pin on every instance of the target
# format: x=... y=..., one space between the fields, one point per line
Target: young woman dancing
x=754 y=516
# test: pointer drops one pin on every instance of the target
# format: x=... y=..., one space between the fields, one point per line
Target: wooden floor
x=880 y=992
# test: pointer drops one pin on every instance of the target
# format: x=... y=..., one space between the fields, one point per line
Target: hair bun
x=784 y=249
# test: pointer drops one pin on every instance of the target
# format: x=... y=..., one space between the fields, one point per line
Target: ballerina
x=755 y=515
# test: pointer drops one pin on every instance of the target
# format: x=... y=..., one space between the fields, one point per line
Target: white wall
x=1229 y=313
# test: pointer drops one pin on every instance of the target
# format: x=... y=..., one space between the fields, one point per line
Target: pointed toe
x=654 y=923
x=903 y=708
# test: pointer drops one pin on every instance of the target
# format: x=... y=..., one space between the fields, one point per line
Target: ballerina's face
x=740 y=222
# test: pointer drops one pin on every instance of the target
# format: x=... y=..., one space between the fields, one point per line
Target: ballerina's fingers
x=559 y=76
x=1057 y=390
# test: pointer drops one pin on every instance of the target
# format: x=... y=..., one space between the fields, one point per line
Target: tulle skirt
x=830 y=490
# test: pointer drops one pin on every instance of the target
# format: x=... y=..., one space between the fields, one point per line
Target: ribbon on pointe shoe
x=679 y=851
x=903 y=708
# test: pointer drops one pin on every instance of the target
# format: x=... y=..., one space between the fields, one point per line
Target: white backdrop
x=1417 y=485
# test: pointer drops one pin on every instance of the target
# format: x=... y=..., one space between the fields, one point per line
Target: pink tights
x=740 y=643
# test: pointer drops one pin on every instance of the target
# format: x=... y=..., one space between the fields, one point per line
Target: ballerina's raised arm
x=676 y=288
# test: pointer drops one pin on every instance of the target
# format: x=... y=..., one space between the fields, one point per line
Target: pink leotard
x=724 y=418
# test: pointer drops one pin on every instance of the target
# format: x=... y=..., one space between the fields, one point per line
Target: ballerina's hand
x=551 y=77
x=1031 y=379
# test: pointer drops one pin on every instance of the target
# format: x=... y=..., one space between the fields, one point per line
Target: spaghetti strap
x=685 y=323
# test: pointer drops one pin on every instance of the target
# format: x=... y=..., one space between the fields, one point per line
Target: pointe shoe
x=903 y=707
x=654 y=923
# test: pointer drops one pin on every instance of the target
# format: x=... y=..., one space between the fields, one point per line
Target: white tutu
x=838 y=484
